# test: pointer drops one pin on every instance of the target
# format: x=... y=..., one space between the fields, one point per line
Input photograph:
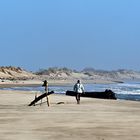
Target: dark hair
x=45 y=83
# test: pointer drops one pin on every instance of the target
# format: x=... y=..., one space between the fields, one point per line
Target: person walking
x=79 y=89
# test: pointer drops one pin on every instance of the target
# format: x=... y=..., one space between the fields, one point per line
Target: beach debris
x=60 y=103
x=107 y=94
x=40 y=98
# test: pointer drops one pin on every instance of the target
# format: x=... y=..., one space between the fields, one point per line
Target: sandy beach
x=57 y=48
x=93 y=119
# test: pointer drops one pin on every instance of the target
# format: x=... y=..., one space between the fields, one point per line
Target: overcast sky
x=103 y=34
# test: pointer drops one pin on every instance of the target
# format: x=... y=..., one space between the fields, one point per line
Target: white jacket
x=79 y=88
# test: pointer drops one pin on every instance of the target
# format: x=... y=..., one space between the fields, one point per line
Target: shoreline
x=35 y=83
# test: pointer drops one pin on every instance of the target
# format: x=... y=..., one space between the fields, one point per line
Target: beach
x=60 y=49
x=93 y=119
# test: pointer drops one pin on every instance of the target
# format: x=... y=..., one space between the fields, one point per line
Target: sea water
x=124 y=91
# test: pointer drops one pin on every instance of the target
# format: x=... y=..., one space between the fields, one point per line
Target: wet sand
x=93 y=119
x=31 y=83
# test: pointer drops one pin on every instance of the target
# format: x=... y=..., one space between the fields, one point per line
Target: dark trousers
x=78 y=95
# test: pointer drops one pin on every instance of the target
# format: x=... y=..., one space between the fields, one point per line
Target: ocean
x=123 y=91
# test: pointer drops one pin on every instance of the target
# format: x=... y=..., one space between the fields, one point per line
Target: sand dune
x=65 y=76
